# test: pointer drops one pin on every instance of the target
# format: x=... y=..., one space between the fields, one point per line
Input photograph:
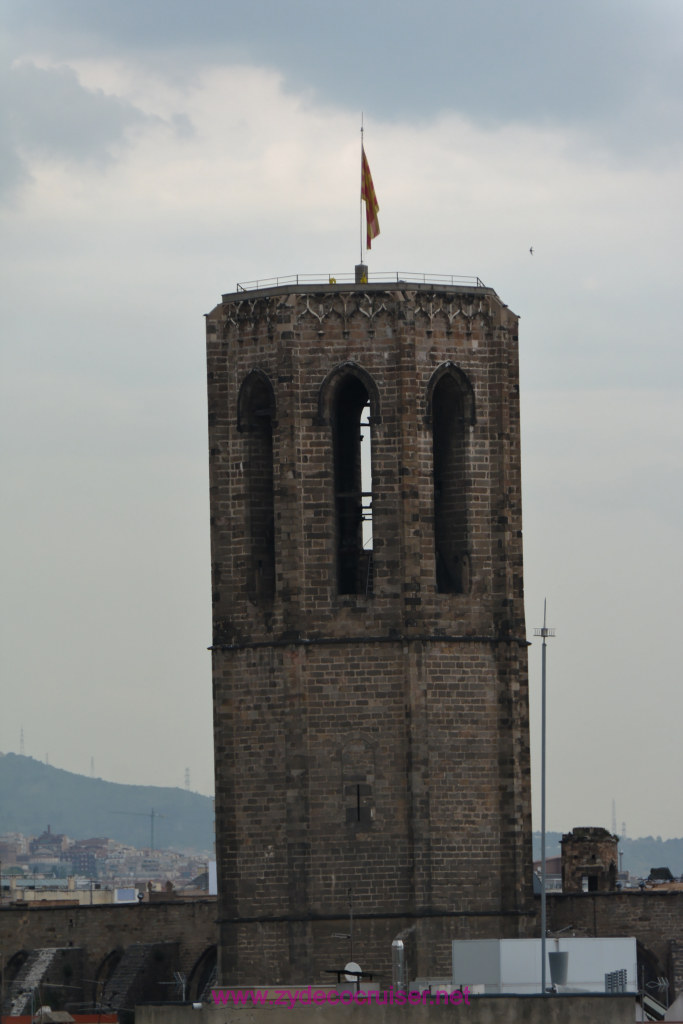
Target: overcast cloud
x=154 y=154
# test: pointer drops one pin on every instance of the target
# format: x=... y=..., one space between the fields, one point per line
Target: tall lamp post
x=544 y=632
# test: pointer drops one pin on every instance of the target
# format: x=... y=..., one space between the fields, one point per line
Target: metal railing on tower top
x=373 y=277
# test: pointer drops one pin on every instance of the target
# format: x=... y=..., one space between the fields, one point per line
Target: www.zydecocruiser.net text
x=291 y=997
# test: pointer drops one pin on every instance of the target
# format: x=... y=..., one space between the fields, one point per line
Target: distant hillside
x=34 y=795
x=639 y=855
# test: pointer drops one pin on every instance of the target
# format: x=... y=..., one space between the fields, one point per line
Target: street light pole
x=544 y=632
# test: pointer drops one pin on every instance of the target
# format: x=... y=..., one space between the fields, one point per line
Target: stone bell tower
x=369 y=651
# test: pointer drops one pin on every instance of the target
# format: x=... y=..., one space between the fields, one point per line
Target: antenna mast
x=544 y=632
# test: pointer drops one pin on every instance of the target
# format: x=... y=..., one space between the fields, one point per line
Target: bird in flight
x=531 y=250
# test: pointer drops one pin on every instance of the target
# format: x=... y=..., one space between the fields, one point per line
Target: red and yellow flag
x=367 y=193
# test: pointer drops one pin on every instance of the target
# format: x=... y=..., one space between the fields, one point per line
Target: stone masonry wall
x=654 y=918
x=104 y=930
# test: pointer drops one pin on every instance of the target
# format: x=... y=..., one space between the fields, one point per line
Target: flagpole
x=361 y=191
x=367 y=196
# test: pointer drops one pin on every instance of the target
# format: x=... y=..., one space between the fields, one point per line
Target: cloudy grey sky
x=153 y=153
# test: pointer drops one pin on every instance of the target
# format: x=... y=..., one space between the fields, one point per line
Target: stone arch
x=462 y=384
x=650 y=967
x=14 y=965
x=203 y=974
x=332 y=381
x=256 y=398
x=103 y=973
x=451 y=414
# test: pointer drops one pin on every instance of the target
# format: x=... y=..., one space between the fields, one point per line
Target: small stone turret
x=589 y=860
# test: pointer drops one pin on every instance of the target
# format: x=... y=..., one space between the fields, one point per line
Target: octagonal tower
x=369 y=651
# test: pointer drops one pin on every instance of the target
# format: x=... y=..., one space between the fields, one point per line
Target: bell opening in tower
x=353 y=487
x=450 y=487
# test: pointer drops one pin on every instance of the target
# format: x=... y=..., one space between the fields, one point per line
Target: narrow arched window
x=351 y=427
x=256 y=415
x=452 y=414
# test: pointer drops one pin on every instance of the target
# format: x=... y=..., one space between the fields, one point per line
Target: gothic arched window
x=349 y=404
x=451 y=404
x=353 y=486
x=256 y=414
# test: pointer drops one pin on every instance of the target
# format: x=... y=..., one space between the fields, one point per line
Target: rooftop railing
x=372 y=277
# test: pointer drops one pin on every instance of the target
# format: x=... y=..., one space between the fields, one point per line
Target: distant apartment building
x=53 y=856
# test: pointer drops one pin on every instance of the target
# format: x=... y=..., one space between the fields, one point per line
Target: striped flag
x=367 y=193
